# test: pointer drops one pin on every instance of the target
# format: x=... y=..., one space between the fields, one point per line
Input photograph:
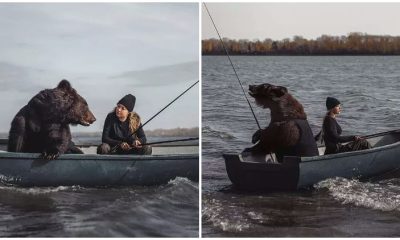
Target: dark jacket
x=115 y=132
x=331 y=134
x=306 y=145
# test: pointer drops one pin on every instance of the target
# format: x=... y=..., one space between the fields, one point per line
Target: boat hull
x=364 y=165
x=380 y=162
x=253 y=176
x=28 y=169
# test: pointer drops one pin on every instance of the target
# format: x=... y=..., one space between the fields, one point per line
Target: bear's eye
x=267 y=87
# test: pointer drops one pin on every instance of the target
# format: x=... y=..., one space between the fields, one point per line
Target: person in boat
x=331 y=132
x=123 y=132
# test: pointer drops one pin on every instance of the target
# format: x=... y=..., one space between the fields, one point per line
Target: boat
x=92 y=170
x=264 y=173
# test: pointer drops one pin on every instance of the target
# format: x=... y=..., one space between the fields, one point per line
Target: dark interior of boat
x=384 y=140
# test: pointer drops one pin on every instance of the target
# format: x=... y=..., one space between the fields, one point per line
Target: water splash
x=9 y=179
x=213 y=212
x=216 y=133
x=178 y=181
x=39 y=190
x=384 y=195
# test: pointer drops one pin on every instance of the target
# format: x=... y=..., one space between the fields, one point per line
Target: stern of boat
x=262 y=176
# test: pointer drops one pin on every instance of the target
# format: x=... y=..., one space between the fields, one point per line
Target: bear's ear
x=279 y=91
x=64 y=84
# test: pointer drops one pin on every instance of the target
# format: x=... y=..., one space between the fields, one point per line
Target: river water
x=368 y=88
x=169 y=210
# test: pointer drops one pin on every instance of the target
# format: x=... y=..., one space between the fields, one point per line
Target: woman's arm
x=106 y=137
x=331 y=131
x=141 y=135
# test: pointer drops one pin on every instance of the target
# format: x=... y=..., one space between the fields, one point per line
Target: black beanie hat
x=128 y=101
x=331 y=102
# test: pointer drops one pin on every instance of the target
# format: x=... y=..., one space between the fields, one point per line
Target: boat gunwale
x=348 y=154
x=96 y=157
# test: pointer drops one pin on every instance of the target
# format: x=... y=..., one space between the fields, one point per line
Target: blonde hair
x=134 y=121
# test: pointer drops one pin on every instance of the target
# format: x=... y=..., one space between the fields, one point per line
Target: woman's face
x=336 y=110
x=121 y=111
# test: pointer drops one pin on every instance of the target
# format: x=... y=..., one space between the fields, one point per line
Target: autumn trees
x=352 y=44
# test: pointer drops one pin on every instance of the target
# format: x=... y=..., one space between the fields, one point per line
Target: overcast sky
x=105 y=50
x=310 y=20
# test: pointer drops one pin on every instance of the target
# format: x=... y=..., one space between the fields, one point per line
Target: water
x=169 y=210
x=368 y=88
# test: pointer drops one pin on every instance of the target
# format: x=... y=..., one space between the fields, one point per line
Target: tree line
x=175 y=132
x=352 y=44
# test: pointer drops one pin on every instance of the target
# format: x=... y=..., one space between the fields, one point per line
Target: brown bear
x=288 y=133
x=42 y=126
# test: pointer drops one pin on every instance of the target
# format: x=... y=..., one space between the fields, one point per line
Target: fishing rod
x=380 y=134
x=166 y=107
x=115 y=147
x=227 y=54
x=86 y=145
x=170 y=141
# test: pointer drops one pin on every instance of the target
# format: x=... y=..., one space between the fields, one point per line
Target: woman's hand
x=125 y=146
x=137 y=144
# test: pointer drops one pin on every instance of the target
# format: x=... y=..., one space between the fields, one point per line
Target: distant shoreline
x=304 y=55
x=354 y=44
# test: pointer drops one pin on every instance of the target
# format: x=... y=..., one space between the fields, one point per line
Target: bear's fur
x=283 y=132
x=42 y=126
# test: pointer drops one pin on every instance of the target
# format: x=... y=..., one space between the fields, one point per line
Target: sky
x=106 y=50
x=310 y=20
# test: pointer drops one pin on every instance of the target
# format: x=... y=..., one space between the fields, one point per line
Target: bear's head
x=62 y=105
x=282 y=104
x=267 y=94
x=78 y=110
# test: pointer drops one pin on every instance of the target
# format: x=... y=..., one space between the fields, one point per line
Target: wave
x=383 y=195
x=39 y=190
x=178 y=181
x=179 y=188
x=215 y=133
x=214 y=212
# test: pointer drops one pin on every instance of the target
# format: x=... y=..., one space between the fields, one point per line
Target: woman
x=331 y=131
x=123 y=132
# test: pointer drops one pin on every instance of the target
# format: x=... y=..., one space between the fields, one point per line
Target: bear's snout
x=91 y=118
x=259 y=90
x=253 y=90
x=88 y=119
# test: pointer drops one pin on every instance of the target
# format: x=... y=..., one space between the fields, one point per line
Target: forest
x=352 y=44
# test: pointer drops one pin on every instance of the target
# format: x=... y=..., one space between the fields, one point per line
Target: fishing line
x=227 y=54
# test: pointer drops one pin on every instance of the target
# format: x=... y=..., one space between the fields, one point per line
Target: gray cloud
x=22 y=79
x=163 y=75
x=102 y=37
